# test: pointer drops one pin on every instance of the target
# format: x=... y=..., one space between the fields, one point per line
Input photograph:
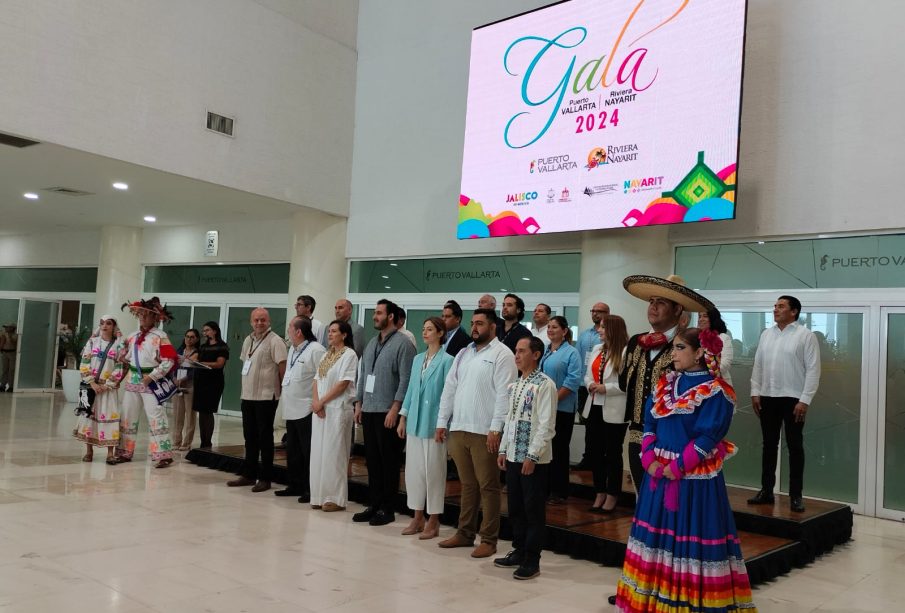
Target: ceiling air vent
x=67 y=191
x=15 y=141
x=220 y=123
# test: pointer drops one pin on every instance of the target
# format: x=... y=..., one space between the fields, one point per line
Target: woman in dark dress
x=213 y=353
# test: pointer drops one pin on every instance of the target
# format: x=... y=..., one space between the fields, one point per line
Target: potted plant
x=71 y=343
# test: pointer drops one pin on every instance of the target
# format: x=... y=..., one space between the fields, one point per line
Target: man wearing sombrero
x=150 y=357
x=649 y=355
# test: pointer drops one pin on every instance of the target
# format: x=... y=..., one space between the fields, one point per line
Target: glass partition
x=894 y=414
x=832 y=431
x=37 y=345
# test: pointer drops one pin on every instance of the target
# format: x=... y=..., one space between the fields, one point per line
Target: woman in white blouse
x=712 y=320
x=331 y=427
x=604 y=413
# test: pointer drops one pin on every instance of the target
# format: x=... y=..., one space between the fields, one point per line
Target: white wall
x=51 y=249
x=409 y=129
x=821 y=127
x=133 y=79
x=257 y=241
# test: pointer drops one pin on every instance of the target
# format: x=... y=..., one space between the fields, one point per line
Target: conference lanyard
x=298 y=355
x=255 y=347
x=379 y=348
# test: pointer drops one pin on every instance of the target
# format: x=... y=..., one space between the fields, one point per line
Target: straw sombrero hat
x=672 y=288
x=152 y=304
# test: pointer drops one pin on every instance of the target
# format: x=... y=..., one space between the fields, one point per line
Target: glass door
x=891 y=419
x=238 y=326
x=832 y=433
x=36 y=356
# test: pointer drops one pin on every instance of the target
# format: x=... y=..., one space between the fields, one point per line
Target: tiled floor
x=91 y=537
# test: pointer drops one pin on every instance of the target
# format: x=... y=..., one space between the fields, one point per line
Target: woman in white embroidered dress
x=103 y=374
x=331 y=428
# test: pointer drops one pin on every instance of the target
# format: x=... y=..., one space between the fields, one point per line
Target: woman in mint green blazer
x=425 y=459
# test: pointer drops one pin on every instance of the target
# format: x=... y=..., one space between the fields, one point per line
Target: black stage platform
x=774 y=540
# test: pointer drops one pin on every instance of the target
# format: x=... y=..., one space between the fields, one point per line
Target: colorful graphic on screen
x=588 y=114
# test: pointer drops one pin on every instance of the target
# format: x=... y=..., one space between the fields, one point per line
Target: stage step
x=774 y=540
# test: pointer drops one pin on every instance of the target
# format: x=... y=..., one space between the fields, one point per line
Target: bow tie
x=654 y=340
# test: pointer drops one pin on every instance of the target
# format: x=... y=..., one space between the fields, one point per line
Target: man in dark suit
x=456 y=337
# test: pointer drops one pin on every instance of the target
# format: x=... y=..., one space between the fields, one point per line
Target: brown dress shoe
x=331 y=507
x=240 y=482
x=456 y=540
x=484 y=550
x=261 y=486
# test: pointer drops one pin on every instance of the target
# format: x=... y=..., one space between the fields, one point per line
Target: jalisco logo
x=642 y=185
x=554 y=163
x=612 y=154
x=521 y=198
x=631 y=70
x=551 y=195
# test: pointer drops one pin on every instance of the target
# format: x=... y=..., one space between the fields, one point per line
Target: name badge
x=246 y=367
x=369 y=384
x=286 y=378
x=182 y=373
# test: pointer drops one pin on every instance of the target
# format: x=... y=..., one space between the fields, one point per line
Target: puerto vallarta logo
x=553 y=163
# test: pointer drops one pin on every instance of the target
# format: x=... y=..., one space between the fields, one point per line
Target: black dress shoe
x=797 y=505
x=366 y=515
x=513 y=559
x=594 y=509
x=382 y=518
x=286 y=492
x=305 y=498
x=762 y=497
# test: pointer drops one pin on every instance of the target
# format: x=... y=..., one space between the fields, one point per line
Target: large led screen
x=603 y=114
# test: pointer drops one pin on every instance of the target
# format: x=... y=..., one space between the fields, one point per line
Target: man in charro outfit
x=648 y=356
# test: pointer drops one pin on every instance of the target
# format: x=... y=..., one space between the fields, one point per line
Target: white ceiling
x=173 y=199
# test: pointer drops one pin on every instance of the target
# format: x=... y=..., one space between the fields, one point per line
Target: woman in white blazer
x=604 y=413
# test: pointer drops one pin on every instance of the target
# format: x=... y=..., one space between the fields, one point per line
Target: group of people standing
x=496 y=399
x=144 y=363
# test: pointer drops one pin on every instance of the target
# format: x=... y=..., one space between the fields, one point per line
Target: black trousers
x=206 y=428
x=605 y=452
x=774 y=414
x=634 y=465
x=298 y=454
x=559 y=465
x=527 y=495
x=383 y=456
x=257 y=428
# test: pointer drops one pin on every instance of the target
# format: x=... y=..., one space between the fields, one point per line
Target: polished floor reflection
x=91 y=537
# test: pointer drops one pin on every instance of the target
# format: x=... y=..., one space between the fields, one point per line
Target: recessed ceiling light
x=120 y=185
x=525 y=279
x=150 y=218
x=30 y=195
x=384 y=276
x=386 y=287
x=760 y=242
x=503 y=289
x=393 y=264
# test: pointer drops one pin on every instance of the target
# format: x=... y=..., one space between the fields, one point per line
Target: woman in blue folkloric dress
x=683 y=552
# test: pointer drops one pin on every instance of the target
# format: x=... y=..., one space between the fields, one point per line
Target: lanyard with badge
x=297 y=354
x=246 y=365
x=371 y=379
